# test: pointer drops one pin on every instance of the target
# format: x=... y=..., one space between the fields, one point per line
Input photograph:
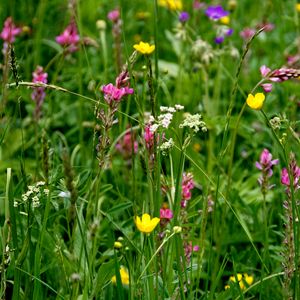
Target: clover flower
x=256 y=102
x=124 y=277
x=144 y=48
x=114 y=15
x=69 y=38
x=216 y=12
x=247 y=33
x=146 y=224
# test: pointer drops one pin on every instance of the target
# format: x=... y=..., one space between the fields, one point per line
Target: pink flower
x=247 y=33
x=113 y=93
x=38 y=95
x=267 y=87
x=149 y=137
x=9 y=31
x=187 y=186
x=69 y=37
x=264 y=70
x=114 y=15
x=285 y=180
x=127 y=146
x=266 y=163
x=166 y=213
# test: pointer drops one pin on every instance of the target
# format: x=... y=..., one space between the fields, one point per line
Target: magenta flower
x=285 y=180
x=183 y=16
x=112 y=93
x=114 y=15
x=9 y=31
x=69 y=38
x=149 y=137
x=265 y=164
x=127 y=146
x=216 y=12
x=38 y=95
x=166 y=213
x=187 y=185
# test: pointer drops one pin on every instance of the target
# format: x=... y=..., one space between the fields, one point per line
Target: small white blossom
x=165 y=119
x=179 y=107
x=46 y=191
x=30 y=187
x=66 y=194
x=194 y=122
x=153 y=127
x=36 y=190
x=28 y=193
x=35 y=201
x=15 y=203
x=166 y=146
x=40 y=183
x=24 y=197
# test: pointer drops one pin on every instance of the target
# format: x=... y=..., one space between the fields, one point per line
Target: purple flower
x=184 y=16
x=9 y=31
x=69 y=37
x=216 y=12
x=219 y=39
x=166 y=213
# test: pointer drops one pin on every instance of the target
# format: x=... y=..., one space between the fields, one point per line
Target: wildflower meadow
x=149 y=149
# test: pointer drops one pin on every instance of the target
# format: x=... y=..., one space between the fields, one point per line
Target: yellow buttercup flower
x=171 y=4
x=248 y=278
x=124 y=277
x=298 y=7
x=256 y=102
x=146 y=224
x=144 y=48
x=239 y=277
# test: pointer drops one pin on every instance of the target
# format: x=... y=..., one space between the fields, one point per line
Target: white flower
x=164 y=147
x=36 y=189
x=153 y=127
x=165 y=119
x=179 y=107
x=46 y=191
x=35 y=202
x=30 y=187
x=66 y=194
x=40 y=183
x=24 y=197
x=15 y=203
x=194 y=122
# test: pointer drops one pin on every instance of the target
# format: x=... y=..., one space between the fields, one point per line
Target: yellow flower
x=144 y=48
x=256 y=102
x=248 y=279
x=124 y=277
x=239 y=277
x=298 y=7
x=225 y=20
x=171 y=4
x=118 y=245
x=147 y=224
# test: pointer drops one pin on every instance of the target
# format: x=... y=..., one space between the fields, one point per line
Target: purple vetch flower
x=216 y=12
x=265 y=164
x=183 y=16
